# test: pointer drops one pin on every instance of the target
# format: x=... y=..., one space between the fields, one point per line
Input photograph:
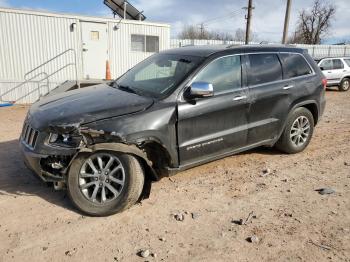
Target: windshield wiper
x=126 y=88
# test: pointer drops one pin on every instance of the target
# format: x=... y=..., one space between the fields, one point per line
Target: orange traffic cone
x=108 y=71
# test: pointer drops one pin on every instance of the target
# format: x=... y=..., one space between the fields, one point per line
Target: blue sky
x=267 y=22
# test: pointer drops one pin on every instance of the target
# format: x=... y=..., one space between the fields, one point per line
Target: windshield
x=158 y=75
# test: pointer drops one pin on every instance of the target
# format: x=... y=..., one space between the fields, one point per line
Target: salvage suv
x=175 y=110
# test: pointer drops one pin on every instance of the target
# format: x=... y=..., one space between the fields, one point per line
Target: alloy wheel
x=300 y=131
x=101 y=178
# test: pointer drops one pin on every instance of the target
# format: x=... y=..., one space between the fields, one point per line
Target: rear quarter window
x=264 y=68
x=347 y=61
x=294 y=65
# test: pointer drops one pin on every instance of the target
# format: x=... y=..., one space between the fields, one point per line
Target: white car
x=337 y=72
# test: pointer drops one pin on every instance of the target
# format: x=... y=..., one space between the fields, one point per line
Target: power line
x=231 y=14
x=214 y=20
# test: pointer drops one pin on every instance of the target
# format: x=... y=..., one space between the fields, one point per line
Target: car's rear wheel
x=105 y=183
x=344 y=84
x=297 y=132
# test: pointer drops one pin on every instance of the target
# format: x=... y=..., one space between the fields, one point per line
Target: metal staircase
x=41 y=79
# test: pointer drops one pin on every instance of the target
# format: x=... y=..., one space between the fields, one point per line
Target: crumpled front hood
x=85 y=105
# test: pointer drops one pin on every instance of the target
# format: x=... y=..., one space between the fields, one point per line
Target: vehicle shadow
x=263 y=150
x=17 y=180
x=332 y=89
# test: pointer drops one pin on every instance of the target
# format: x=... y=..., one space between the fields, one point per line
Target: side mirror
x=200 y=89
x=322 y=68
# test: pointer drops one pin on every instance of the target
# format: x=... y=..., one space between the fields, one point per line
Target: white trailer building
x=39 y=51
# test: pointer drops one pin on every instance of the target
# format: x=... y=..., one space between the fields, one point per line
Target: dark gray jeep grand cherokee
x=175 y=110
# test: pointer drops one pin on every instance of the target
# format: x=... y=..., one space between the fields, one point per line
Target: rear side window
x=337 y=64
x=264 y=68
x=294 y=65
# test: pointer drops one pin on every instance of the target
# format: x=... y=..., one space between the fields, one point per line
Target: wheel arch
x=311 y=106
x=127 y=149
x=346 y=76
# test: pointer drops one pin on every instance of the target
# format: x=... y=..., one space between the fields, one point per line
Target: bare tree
x=193 y=32
x=239 y=35
x=314 y=24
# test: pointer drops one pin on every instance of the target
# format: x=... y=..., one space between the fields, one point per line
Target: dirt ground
x=292 y=221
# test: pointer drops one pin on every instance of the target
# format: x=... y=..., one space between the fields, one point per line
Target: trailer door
x=95 y=49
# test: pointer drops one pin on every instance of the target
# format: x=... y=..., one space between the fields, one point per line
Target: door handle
x=288 y=87
x=238 y=98
x=329 y=72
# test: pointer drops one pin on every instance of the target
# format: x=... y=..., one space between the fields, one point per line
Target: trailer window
x=145 y=43
x=138 y=43
x=152 y=44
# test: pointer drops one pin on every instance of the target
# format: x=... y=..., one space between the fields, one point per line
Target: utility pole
x=248 y=17
x=286 y=22
x=202 y=30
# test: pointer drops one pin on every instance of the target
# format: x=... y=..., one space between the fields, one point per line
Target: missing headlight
x=65 y=140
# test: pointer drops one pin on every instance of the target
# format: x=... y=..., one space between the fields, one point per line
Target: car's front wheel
x=344 y=84
x=105 y=183
x=298 y=131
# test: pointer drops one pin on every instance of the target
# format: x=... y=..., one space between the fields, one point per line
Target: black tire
x=129 y=193
x=344 y=85
x=285 y=142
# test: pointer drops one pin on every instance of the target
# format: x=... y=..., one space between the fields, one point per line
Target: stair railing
x=45 y=78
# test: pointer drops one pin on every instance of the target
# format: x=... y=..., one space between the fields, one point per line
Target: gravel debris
x=195 y=215
x=179 y=217
x=325 y=191
x=253 y=239
x=144 y=253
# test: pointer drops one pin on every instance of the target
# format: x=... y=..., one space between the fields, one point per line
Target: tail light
x=324 y=83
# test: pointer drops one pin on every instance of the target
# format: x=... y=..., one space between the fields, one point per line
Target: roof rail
x=233 y=45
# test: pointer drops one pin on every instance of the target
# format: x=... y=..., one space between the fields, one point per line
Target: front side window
x=294 y=65
x=158 y=75
x=327 y=64
x=224 y=74
x=264 y=68
x=337 y=64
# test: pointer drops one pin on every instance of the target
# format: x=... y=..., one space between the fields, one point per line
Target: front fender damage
x=94 y=141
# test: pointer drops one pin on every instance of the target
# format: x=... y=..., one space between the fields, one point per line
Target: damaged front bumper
x=49 y=168
x=49 y=163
